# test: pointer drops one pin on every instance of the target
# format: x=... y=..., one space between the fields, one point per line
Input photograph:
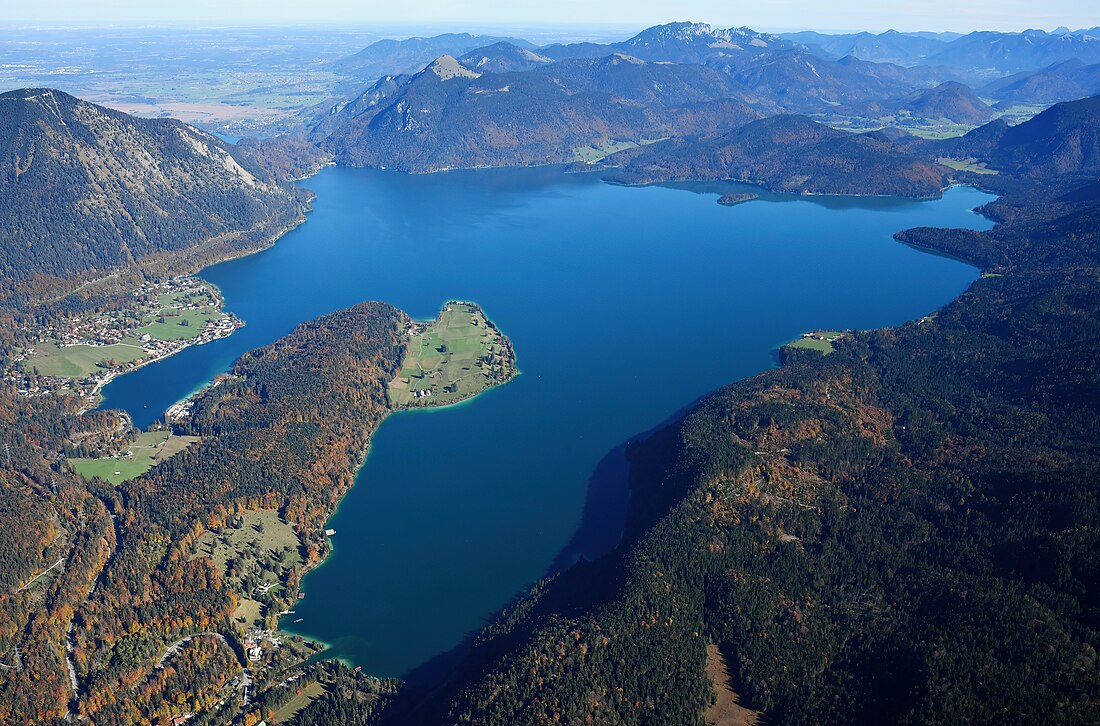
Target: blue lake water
x=624 y=305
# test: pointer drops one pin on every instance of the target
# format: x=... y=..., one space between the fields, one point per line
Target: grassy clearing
x=182 y=315
x=819 y=340
x=291 y=708
x=151 y=448
x=261 y=546
x=456 y=356
x=80 y=361
x=590 y=154
x=179 y=324
x=249 y=612
x=971 y=164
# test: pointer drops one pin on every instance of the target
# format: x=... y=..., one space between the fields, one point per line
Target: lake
x=624 y=305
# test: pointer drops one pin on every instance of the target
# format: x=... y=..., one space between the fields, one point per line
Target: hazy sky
x=958 y=15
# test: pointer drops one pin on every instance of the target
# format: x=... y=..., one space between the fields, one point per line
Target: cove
x=624 y=305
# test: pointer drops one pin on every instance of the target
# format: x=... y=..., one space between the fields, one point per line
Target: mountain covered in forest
x=787 y=154
x=1062 y=140
x=451 y=115
x=87 y=190
x=1064 y=81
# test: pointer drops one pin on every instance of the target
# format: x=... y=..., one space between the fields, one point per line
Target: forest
x=285 y=431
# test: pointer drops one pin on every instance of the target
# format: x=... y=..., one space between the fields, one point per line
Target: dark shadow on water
x=603 y=524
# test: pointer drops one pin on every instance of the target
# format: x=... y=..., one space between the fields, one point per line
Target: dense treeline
x=901 y=532
x=57 y=533
x=285 y=431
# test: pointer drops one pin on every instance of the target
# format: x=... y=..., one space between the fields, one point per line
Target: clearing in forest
x=454 y=357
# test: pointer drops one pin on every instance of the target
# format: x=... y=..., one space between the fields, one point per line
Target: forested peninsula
x=146 y=605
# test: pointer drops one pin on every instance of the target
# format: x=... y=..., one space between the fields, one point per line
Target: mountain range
x=409 y=55
x=507 y=103
x=978 y=54
x=449 y=115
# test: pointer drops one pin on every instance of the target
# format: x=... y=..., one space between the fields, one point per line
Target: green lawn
x=260 y=534
x=450 y=357
x=78 y=361
x=152 y=447
x=173 y=327
x=291 y=708
x=819 y=340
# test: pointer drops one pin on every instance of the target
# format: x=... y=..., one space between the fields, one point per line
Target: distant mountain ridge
x=978 y=53
x=394 y=57
x=788 y=154
x=450 y=115
x=87 y=189
x=1062 y=81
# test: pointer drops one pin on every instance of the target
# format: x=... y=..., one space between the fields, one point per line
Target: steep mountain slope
x=450 y=116
x=1064 y=139
x=87 y=189
x=789 y=154
x=394 y=57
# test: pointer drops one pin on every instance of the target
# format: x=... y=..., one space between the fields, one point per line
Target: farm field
x=819 y=340
x=152 y=447
x=458 y=355
x=80 y=361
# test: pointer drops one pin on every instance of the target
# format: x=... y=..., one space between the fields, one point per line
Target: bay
x=624 y=305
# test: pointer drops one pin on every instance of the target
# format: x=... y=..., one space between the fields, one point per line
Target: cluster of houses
x=254 y=641
x=104 y=330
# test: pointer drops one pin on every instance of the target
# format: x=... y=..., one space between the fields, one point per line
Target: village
x=81 y=355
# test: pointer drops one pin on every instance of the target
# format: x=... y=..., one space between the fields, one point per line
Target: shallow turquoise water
x=624 y=304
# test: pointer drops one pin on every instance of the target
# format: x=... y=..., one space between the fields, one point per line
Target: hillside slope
x=450 y=115
x=788 y=154
x=86 y=190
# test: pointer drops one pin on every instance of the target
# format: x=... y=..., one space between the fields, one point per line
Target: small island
x=457 y=356
x=730 y=200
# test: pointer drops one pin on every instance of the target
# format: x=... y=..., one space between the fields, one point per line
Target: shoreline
x=94 y=398
x=330 y=546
